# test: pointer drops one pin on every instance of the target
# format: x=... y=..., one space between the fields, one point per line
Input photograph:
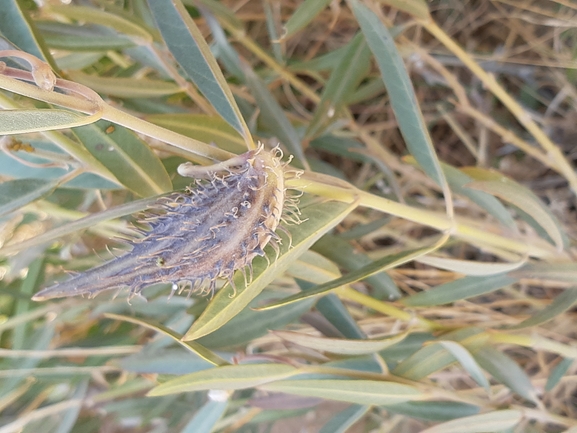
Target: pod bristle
x=202 y=234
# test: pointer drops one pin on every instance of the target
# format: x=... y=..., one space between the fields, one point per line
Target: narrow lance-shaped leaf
x=467 y=361
x=562 y=302
x=364 y=392
x=204 y=421
x=338 y=345
x=19 y=192
x=273 y=115
x=433 y=410
x=126 y=87
x=194 y=347
x=133 y=163
x=342 y=421
x=462 y=288
x=187 y=45
x=494 y=421
x=303 y=15
x=92 y=15
x=505 y=370
x=249 y=324
x=432 y=357
x=345 y=255
x=470 y=267
x=226 y=377
x=34 y=120
x=17 y=26
x=458 y=180
x=346 y=76
x=383 y=264
x=400 y=89
x=201 y=127
x=317 y=270
x=521 y=197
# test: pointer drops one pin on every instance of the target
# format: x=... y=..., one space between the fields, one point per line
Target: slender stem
x=337 y=189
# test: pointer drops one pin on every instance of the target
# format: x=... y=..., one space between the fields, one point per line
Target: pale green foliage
x=462 y=293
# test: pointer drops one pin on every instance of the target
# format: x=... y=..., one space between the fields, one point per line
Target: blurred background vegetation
x=412 y=119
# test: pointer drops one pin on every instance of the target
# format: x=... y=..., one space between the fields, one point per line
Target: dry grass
x=517 y=119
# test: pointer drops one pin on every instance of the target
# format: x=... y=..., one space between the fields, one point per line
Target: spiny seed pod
x=200 y=235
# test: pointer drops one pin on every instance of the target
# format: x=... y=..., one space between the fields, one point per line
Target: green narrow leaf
x=204 y=421
x=167 y=360
x=458 y=181
x=77 y=61
x=380 y=265
x=400 y=90
x=219 y=9
x=320 y=218
x=344 y=419
x=194 y=347
x=432 y=357
x=314 y=268
x=525 y=200
x=560 y=304
x=344 y=79
x=201 y=127
x=133 y=163
x=273 y=116
x=505 y=370
x=70 y=416
x=227 y=377
x=303 y=15
x=423 y=362
x=463 y=288
x=126 y=87
x=494 y=421
x=19 y=192
x=80 y=224
x=223 y=49
x=85 y=14
x=82 y=38
x=566 y=272
x=272 y=18
x=34 y=120
x=16 y=25
x=339 y=345
x=433 y=410
x=343 y=254
x=363 y=392
x=187 y=45
x=470 y=267
x=24 y=336
x=250 y=324
x=558 y=373
x=467 y=361
x=32 y=279
x=336 y=313
x=317 y=269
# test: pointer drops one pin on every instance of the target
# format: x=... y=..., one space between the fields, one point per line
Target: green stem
x=327 y=186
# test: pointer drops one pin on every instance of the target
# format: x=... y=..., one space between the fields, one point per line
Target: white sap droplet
x=218 y=395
